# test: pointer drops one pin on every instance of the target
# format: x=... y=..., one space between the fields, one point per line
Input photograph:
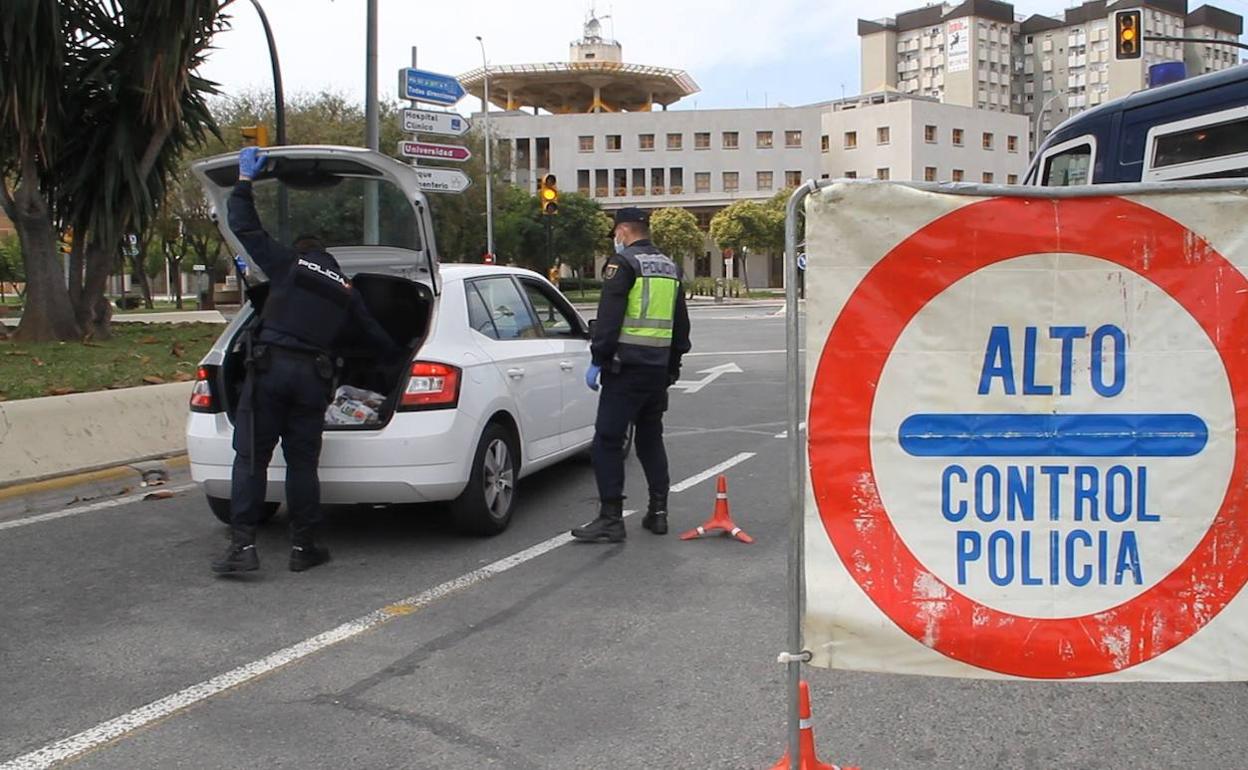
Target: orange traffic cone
x=721 y=519
x=807 y=760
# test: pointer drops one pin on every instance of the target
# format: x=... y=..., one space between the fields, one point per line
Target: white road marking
x=706 y=474
x=80 y=743
x=801 y=427
x=91 y=508
x=712 y=374
x=697 y=354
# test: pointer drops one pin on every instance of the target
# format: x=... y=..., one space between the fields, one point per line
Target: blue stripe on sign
x=1053 y=435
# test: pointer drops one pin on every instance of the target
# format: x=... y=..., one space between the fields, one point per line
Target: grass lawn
x=138 y=354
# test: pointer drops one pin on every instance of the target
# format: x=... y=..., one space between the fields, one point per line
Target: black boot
x=607 y=528
x=306 y=556
x=655 y=519
x=241 y=555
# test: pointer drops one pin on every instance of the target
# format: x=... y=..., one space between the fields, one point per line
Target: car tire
x=221 y=509
x=486 y=504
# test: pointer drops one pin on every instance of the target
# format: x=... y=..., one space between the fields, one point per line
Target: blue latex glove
x=591 y=376
x=240 y=264
x=251 y=162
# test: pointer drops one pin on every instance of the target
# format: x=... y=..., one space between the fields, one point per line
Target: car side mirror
x=592 y=322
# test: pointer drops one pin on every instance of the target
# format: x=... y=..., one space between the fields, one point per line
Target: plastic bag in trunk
x=354 y=406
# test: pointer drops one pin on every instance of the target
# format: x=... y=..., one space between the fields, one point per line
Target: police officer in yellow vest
x=640 y=334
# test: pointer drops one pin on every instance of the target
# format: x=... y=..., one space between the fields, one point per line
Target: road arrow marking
x=712 y=374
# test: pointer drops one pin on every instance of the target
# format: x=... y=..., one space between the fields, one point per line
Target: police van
x=1192 y=129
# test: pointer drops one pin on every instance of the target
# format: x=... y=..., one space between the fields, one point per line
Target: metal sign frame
x=795 y=373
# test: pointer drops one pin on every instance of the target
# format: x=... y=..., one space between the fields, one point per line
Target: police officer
x=641 y=332
x=289 y=377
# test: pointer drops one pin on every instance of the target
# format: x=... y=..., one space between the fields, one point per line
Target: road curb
x=96 y=476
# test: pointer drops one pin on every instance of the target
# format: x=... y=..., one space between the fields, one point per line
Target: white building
x=980 y=54
x=593 y=123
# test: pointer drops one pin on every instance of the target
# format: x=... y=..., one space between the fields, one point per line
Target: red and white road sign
x=1024 y=435
x=437 y=151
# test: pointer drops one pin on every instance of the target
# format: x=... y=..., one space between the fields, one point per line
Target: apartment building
x=981 y=54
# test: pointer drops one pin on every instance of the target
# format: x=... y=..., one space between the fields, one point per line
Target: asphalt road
x=655 y=653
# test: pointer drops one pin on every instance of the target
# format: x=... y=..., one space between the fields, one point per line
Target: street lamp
x=1035 y=148
x=489 y=168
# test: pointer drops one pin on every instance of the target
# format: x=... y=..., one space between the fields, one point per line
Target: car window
x=1201 y=143
x=478 y=316
x=1072 y=166
x=506 y=310
x=555 y=319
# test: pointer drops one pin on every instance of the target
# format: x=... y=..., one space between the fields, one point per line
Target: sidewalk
x=173 y=317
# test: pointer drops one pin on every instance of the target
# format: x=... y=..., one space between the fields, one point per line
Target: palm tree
x=127 y=101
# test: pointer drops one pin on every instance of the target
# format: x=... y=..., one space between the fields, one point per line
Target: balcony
x=657 y=190
x=676 y=189
x=639 y=190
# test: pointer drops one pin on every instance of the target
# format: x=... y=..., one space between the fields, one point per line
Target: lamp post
x=489 y=168
x=1035 y=148
x=372 y=127
x=279 y=117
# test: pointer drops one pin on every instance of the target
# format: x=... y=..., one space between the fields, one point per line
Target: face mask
x=619 y=247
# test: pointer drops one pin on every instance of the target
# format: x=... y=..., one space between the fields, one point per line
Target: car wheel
x=484 y=507
x=221 y=509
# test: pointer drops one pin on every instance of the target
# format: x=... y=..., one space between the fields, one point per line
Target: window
x=929 y=134
x=763 y=140
x=613 y=142
x=556 y=318
x=1011 y=143
x=987 y=177
x=702 y=140
x=702 y=181
x=1199 y=148
x=792 y=178
x=987 y=140
x=676 y=180
x=763 y=180
x=851 y=140
x=732 y=181
x=825 y=143
x=881 y=173
x=675 y=141
x=731 y=140
x=929 y=174
x=500 y=312
x=1066 y=166
x=851 y=174
x=957 y=175
x=586 y=143
x=1011 y=179
x=645 y=141
x=882 y=135
x=793 y=139
x=957 y=137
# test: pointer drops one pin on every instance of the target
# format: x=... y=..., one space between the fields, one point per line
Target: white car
x=494 y=387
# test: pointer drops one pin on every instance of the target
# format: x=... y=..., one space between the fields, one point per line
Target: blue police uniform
x=310 y=303
x=640 y=334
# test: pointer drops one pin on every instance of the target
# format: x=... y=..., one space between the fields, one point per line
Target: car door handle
x=566 y=366
x=515 y=373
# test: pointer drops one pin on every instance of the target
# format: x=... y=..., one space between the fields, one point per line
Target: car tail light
x=431 y=386
x=201 y=394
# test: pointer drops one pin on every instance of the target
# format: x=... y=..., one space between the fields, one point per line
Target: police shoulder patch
x=609 y=271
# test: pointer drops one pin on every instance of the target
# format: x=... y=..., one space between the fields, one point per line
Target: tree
x=97 y=100
x=747 y=226
x=675 y=231
x=579 y=232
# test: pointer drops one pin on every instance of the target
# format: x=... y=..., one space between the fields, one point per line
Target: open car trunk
x=402 y=307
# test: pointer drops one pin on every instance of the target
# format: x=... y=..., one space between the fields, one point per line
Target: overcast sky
x=741 y=52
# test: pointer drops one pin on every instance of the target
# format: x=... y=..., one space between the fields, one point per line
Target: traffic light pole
x=1204 y=40
x=550 y=246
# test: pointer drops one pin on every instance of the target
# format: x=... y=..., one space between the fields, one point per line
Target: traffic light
x=548 y=195
x=255 y=136
x=1128 y=35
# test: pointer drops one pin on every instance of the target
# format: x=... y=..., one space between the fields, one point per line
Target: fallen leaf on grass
x=148 y=340
x=38 y=362
x=16 y=353
x=152 y=379
x=62 y=391
x=90 y=344
x=178 y=350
